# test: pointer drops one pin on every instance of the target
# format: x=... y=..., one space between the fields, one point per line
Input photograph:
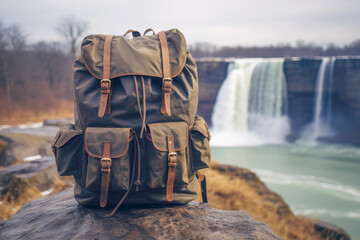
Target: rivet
x=170 y=142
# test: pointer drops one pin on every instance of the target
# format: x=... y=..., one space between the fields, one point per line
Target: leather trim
x=202 y=131
x=130 y=137
x=165 y=149
x=56 y=138
x=60 y=142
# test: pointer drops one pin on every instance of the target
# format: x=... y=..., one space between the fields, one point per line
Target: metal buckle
x=171 y=154
x=106 y=160
x=106 y=81
x=165 y=80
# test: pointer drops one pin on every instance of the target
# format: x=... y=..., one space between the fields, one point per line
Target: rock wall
x=301 y=84
x=211 y=73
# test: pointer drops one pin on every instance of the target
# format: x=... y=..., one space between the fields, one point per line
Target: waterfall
x=250 y=107
x=321 y=123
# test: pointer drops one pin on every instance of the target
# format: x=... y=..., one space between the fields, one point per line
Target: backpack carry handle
x=134 y=33
x=149 y=30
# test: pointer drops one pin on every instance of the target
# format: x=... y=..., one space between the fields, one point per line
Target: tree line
x=300 y=49
x=37 y=77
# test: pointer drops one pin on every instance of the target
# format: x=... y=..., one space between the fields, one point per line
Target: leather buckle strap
x=167 y=81
x=107 y=81
x=105 y=105
x=105 y=173
x=172 y=158
x=105 y=160
x=166 y=84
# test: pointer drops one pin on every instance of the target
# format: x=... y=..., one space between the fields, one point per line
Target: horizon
x=258 y=23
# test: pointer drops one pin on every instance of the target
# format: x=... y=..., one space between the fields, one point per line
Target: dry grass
x=22 y=191
x=3 y=145
x=20 y=115
x=244 y=191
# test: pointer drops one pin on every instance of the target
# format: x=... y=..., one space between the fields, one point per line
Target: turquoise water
x=316 y=180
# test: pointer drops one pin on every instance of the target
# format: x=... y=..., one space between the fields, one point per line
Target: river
x=317 y=180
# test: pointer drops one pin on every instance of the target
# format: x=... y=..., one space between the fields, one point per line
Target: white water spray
x=321 y=123
x=249 y=109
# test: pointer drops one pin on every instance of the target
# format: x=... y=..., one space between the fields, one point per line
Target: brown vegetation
x=232 y=188
x=63 y=108
x=36 y=80
x=22 y=191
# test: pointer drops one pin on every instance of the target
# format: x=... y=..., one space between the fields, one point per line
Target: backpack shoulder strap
x=167 y=81
x=105 y=105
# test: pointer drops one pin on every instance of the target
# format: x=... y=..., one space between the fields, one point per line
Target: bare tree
x=12 y=43
x=52 y=59
x=3 y=41
x=16 y=37
x=72 y=29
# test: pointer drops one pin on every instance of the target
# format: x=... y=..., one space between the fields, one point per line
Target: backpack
x=136 y=138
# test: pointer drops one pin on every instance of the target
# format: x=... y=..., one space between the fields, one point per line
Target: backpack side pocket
x=67 y=147
x=200 y=153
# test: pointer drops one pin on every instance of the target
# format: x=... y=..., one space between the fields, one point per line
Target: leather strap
x=133 y=32
x=149 y=30
x=202 y=180
x=171 y=168
x=167 y=81
x=105 y=105
x=105 y=173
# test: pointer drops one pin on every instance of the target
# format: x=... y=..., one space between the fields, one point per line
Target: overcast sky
x=222 y=22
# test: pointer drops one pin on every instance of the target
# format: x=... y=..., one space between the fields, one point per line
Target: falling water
x=250 y=105
x=321 y=124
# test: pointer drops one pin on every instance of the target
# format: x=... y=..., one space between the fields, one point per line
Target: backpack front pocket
x=162 y=157
x=109 y=156
x=67 y=147
x=200 y=154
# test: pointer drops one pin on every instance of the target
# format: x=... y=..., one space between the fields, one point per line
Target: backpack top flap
x=137 y=56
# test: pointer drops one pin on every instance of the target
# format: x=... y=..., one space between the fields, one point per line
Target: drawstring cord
x=137 y=146
x=143 y=118
x=143 y=112
x=144 y=107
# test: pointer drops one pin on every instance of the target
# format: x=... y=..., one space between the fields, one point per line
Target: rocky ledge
x=60 y=217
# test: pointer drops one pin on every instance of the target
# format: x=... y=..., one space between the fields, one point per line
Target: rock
x=58 y=122
x=14 y=147
x=330 y=231
x=60 y=217
x=40 y=174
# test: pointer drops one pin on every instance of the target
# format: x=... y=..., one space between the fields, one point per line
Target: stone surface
x=60 y=217
x=58 y=122
x=40 y=174
x=17 y=145
x=330 y=231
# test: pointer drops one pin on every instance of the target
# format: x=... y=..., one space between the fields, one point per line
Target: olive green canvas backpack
x=136 y=138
